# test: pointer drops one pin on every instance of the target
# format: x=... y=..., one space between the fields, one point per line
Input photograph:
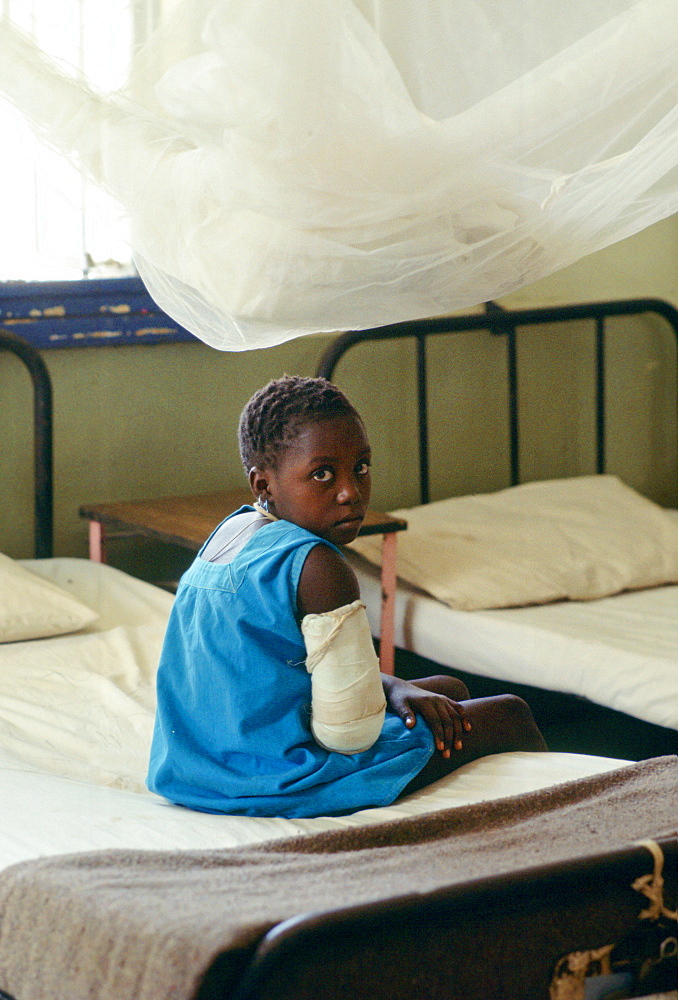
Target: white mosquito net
x=292 y=166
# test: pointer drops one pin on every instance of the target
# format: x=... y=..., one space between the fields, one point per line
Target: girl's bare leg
x=444 y=684
x=498 y=724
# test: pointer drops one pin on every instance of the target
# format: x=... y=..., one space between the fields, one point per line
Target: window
x=57 y=223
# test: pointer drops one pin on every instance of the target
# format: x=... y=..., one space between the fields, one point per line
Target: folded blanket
x=148 y=925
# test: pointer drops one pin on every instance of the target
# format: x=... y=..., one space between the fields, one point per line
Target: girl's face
x=322 y=481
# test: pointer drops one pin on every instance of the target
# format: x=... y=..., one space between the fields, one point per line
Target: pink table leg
x=97 y=542
x=388 y=590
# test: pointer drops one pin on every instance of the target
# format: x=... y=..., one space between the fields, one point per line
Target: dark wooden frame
x=93 y=312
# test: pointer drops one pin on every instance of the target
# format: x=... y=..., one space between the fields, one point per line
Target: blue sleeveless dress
x=232 y=730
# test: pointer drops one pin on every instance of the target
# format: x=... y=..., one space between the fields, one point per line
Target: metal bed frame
x=42 y=439
x=448 y=943
x=496 y=320
x=561 y=717
x=501 y=322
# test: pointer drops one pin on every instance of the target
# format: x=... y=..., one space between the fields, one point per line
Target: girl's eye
x=322 y=475
x=363 y=468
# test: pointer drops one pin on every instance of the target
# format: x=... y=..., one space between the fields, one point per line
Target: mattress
x=620 y=651
x=45 y=814
x=76 y=716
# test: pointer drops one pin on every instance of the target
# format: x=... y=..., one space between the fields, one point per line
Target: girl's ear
x=258 y=482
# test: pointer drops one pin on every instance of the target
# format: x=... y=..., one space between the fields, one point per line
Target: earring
x=263 y=503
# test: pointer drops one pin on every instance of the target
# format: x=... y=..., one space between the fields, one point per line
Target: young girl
x=270 y=701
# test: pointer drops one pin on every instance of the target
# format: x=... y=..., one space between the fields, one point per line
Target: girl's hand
x=444 y=716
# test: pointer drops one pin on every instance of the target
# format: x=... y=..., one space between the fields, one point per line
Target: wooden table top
x=188 y=520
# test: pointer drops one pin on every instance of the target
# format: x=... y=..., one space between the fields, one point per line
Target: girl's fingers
x=460 y=710
x=444 y=717
x=448 y=732
x=406 y=713
x=401 y=706
x=453 y=731
x=455 y=724
x=445 y=727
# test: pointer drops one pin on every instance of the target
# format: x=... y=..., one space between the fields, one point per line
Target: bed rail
x=42 y=439
x=501 y=322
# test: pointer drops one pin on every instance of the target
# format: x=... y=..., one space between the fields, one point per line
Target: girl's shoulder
x=246 y=533
x=231 y=535
x=322 y=576
x=327 y=581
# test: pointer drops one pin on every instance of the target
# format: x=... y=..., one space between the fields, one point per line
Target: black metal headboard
x=496 y=320
x=42 y=440
x=501 y=322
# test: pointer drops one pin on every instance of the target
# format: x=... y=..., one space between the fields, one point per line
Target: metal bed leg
x=97 y=542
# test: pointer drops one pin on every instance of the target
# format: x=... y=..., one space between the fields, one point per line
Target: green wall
x=143 y=421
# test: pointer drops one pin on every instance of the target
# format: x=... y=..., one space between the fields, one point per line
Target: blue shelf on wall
x=98 y=312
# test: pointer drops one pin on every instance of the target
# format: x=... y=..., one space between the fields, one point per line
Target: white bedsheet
x=621 y=651
x=76 y=715
x=44 y=814
x=82 y=705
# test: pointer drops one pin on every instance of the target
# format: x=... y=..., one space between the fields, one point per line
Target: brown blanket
x=147 y=925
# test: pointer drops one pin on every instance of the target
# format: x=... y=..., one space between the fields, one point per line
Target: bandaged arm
x=347 y=695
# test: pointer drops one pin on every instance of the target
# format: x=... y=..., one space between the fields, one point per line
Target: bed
x=150 y=900
x=563 y=591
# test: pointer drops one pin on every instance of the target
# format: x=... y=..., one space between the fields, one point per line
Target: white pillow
x=32 y=608
x=579 y=538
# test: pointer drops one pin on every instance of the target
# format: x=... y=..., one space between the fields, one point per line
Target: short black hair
x=275 y=414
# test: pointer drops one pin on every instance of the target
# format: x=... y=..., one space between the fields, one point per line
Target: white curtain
x=291 y=166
